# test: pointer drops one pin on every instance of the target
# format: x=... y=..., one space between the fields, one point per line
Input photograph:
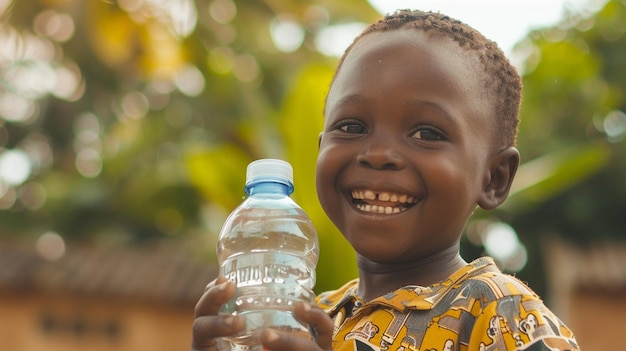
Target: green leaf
x=219 y=174
x=547 y=176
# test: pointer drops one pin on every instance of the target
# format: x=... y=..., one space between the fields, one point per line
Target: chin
x=375 y=253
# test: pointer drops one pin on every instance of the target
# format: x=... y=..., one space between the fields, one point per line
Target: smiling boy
x=420 y=126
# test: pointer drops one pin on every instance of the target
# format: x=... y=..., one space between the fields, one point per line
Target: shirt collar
x=408 y=297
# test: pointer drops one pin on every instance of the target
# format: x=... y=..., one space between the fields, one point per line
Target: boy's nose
x=381 y=154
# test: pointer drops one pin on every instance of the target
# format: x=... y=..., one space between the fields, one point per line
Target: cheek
x=454 y=181
x=324 y=177
x=330 y=160
x=444 y=172
x=330 y=164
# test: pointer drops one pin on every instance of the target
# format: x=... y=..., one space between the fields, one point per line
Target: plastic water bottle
x=269 y=248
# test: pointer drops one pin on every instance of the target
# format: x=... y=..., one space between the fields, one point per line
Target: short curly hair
x=503 y=82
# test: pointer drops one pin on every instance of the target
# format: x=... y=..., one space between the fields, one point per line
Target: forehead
x=414 y=59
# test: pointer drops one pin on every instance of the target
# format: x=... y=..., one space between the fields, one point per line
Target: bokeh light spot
x=135 y=105
x=333 y=40
x=500 y=240
x=57 y=26
x=32 y=195
x=69 y=84
x=184 y=16
x=316 y=17
x=88 y=163
x=190 y=81
x=15 y=166
x=33 y=80
x=87 y=122
x=16 y=108
x=287 y=34
x=615 y=125
x=246 y=68
x=39 y=149
x=50 y=246
x=223 y=11
x=8 y=195
x=501 y=243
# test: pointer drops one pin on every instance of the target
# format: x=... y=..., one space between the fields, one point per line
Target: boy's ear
x=498 y=182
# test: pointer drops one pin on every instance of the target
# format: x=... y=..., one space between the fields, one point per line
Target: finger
x=319 y=321
x=219 y=280
x=216 y=294
x=208 y=325
x=278 y=341
x=206 y=329
x=316 y=318
x=201 y=340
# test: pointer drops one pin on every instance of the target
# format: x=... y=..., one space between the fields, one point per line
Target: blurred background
x=126 y=127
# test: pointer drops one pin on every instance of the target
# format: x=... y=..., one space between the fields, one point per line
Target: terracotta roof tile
x=161 y=272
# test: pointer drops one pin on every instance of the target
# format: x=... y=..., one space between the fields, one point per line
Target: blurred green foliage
x=574 y=122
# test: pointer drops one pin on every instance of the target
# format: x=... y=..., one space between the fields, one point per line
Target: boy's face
x=405 y=151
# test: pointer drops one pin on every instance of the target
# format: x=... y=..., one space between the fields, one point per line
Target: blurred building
x=587 y=288
x=123 y=298
x=95 y=299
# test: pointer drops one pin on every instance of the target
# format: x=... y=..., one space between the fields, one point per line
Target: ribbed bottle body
x=268 y=246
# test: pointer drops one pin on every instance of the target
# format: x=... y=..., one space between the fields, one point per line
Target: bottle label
x=267 y=268
x=247 y=276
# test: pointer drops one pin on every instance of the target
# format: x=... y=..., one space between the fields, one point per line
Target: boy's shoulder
x=483 y=277
x=479 y=280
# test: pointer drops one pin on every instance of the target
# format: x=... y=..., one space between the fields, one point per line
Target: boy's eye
x=352 y=128
x=427 y=134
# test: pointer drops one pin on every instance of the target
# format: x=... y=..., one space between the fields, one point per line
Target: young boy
x=420 y=126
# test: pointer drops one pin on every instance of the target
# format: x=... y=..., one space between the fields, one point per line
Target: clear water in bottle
x=269 y=248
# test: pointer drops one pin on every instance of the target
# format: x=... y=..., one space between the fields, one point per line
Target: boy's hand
x=316 y=319
x=208 y=325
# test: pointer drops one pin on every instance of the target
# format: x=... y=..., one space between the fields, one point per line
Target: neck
x=377 y=279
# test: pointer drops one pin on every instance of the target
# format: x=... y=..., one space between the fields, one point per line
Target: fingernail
x=307 y=307
x=271 y=335
x=229 y=321
x=223 y=286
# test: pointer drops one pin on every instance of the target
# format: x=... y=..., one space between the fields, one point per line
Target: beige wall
x=140 y=326
x=598 y=319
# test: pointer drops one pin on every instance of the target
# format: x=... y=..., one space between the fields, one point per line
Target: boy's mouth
x=383 y=202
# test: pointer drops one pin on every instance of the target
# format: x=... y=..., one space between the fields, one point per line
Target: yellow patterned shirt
x=478 y=308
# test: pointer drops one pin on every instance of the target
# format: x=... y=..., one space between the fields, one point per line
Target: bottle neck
x=271 y=186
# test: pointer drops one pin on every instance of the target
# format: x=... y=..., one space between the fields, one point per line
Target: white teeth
x=369 y=195
x=382 y=196
x=380 y=209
